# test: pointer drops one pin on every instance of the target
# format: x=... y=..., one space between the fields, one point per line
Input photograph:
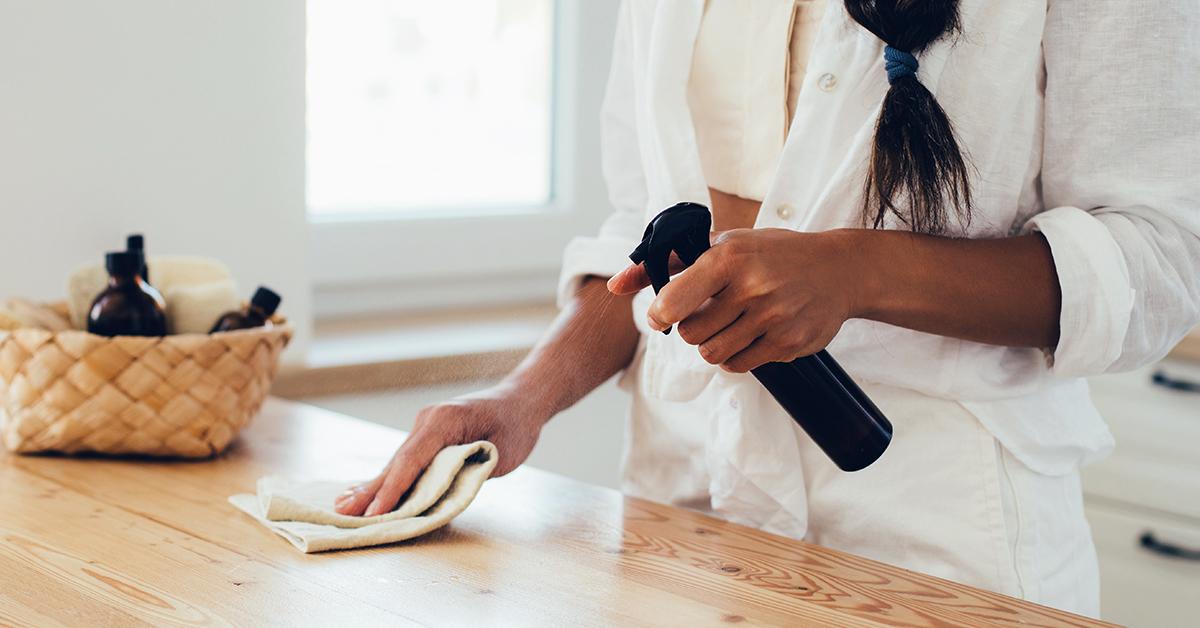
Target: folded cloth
x=302 y=512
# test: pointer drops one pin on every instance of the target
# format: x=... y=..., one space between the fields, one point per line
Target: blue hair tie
x=899 y=64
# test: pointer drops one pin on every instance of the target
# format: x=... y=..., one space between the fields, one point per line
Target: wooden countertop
x=117 y=542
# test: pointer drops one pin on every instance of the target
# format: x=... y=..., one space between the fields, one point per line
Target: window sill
x=393 y=352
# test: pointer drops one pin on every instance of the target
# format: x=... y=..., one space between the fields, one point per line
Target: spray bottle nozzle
x=683 y=229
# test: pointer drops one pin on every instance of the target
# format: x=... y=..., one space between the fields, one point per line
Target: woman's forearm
x=592 y=339
x=1001 y=291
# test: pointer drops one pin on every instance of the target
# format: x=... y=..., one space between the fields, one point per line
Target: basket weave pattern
x=186 y=395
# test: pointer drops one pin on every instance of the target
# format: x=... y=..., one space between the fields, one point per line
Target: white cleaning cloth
x=302 y=512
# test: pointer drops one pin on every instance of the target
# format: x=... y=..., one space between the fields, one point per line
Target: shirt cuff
x=1097 y=297
x=603 y=257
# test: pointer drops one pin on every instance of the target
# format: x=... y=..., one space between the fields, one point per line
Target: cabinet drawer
x=1141 y=583
x=1155 y=463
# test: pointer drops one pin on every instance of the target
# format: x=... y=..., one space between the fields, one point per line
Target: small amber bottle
x=262 y=305
x=128 y=306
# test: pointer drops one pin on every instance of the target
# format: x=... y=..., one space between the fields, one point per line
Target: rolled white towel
x=84 y=285
x=192 y=309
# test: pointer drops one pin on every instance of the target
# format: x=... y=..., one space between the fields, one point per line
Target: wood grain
x=125 y=542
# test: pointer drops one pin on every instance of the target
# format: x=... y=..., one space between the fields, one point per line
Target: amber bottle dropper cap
x=122 y=263
x=266 y=300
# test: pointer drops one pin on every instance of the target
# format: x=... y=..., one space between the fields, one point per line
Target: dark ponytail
x=917 y=168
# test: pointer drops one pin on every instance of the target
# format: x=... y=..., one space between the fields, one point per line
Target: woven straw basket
x=185 y=395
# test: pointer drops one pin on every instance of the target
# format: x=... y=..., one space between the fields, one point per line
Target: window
x=425 y=107
x=453 y=148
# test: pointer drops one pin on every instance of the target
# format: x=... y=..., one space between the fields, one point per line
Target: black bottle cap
x=123 y=263
x=265 y=299
x=135 y=242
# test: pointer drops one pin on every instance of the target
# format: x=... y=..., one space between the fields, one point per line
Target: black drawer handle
x=1174 y=383
x=1163 y=548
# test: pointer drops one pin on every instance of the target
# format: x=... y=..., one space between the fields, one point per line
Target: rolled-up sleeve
x=1120 y=176
x=607 y=253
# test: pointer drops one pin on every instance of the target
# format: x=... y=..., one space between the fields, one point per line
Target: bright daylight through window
x=418 y=106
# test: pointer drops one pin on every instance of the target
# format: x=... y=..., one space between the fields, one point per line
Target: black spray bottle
x=814 y=389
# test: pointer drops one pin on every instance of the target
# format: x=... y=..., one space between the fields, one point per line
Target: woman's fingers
x=628 y=281
x=412 y=458
x=731 y=341
x=757 y=354
x=356 y=498
x=686 y=292
x=710 y=318
x=634 y=277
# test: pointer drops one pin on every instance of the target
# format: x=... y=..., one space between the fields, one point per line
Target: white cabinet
x=1143 y=501
x=1141 y=587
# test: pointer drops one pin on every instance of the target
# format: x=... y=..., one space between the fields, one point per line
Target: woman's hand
x=501 y=416
x=592 y=339
x=757 y=296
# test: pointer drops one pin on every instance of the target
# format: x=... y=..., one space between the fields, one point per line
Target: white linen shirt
x=748 y=66
x=1081 y=120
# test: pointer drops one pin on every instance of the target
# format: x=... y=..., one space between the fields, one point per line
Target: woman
x=974 y=205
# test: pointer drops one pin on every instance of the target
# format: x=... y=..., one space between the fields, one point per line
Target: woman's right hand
x=505 y=418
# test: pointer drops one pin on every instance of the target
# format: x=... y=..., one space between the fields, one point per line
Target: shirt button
x=733 y=403
x=827 y=82
x=784 y=212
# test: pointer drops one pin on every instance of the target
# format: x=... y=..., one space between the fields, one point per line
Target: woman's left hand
x=757 y=296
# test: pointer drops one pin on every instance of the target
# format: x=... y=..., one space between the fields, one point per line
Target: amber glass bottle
x=128 y=306
x=262 y=305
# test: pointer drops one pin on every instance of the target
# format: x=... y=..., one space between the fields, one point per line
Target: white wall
x=180 y=119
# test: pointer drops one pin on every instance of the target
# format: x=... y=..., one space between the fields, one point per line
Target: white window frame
x=456 y=257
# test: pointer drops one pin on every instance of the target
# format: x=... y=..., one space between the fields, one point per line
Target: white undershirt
x=747 y=71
